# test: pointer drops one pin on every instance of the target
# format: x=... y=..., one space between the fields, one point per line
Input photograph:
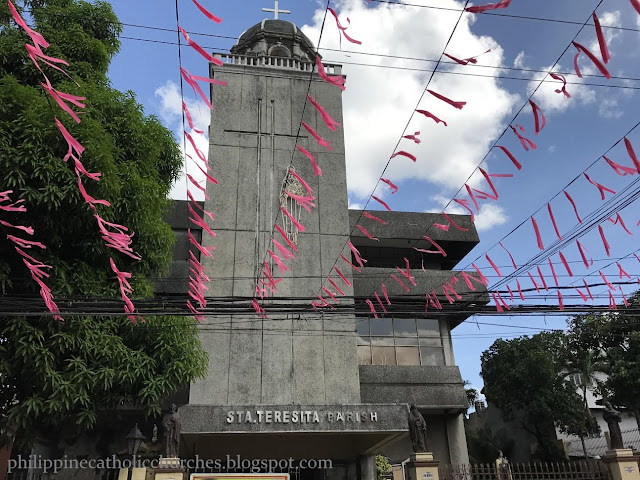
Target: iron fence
x=579 y=470
x=597 y=446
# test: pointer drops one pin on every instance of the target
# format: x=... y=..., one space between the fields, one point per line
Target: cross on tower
x=275 y=11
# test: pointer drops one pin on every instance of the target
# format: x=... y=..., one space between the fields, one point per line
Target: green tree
x=471 y=393
x=383 y=467
x=619 y=337
x=584 y=359
x=52 y=372
x=525 y=377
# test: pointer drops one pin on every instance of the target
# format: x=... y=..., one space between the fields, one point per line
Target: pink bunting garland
x=537 y=232
x=600 y=187
x=404 y=154
x=593 y=59
x=431 y=116
x=458 y=105
x=381 y=202
x=329 y=122
x=337 y=80
x=321 y=141
x=206 y=13
x=316 y=169
x=393 y=187
x=539 y=118
x=511 y=157
x=199 y=49
x=373 y=217
x=602 y=42
x=491 y=6
x=575 y=208
x=561 y=78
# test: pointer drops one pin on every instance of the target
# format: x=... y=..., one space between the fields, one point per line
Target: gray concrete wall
x=281 y=359
x=429 y=387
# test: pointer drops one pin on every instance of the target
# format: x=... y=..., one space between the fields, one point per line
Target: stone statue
x=417 y=430
x=154 y=435
x=613 y=419
x=172 y=425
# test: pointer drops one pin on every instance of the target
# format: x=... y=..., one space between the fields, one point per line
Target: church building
x=307 y=383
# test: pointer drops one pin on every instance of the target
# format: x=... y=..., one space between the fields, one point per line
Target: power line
x=458 y=73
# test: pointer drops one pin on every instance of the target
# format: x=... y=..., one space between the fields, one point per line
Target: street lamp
x=134 y=440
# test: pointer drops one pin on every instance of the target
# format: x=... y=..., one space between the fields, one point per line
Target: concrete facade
x=315 y=361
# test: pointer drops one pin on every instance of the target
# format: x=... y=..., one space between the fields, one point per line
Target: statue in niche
x=172 y=425
x=417 y=430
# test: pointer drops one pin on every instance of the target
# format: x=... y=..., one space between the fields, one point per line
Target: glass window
x=432 y=356
x=404 y=326
x=381 y=326
x=383 y=355
x=431 y=341
x=364 y=355
x=408 y=355
x=428 y=326
x=362 y=327
x=382 y=340
x=399 y=341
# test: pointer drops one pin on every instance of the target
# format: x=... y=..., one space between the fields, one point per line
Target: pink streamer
x=330 y=122
x=454 y=104
x=632 y=154
x=621 y=271
x=413 y=137
x=321 y=141
x=513 y=262
x=517 y=164
x=199 y=49
x=393 y=187
x=400 y=282
x=553 y=272
x=189 y=118
x=600 y=187
x=337 y=80
x=366 y=233
x=344 y=279
x=582 y=249
x=373 y=217
x=553 y=221
x=380 y=303
x=285 y=238
x=491 y=6
x=525 y=142
x=491 y=262
x=372 y=308
x=195 y=183
x=298 y=225
x=621 y=222
x=206 y=13
x=557 y=76
x=316 y=169
x=404 y=154
x=335 y=286
x=356 y=254
x=620 y=169
x=454 y=224
x=435 y=244
x=125 y=290
x=357 y=269
x=602 y=42
x=593 y=59
x=381 y=203
x=431 y=116
x=566 y=264
x=537 y=232
x=539 y=118
x=607 y=248
x=575 y=208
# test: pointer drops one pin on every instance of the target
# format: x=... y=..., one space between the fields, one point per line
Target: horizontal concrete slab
x=293 y=418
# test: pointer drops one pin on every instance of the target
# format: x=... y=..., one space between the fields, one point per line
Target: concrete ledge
x=430 y=388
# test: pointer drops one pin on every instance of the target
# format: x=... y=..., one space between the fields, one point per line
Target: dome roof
x=270 y=34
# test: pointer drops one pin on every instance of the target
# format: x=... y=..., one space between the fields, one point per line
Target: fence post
x=623 y=464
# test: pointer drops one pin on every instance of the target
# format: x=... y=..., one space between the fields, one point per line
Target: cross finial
x=275 y=10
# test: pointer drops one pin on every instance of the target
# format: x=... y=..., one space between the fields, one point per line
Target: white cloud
x=551 y=148
x=490 y=215
x=610 y=108
x=171 y=114
x=378 y=102
x=519 y=61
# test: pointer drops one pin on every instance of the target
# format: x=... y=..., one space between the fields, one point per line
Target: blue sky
x=378 y=103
